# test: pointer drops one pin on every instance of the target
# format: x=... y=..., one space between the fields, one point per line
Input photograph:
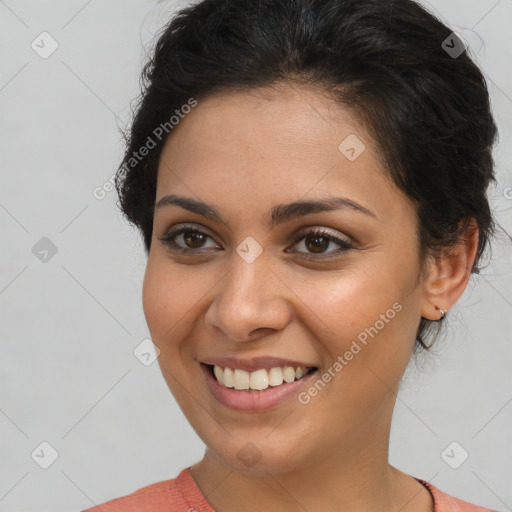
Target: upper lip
x=254 y=363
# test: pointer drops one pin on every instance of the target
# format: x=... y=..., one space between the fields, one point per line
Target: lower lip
x=252 y=400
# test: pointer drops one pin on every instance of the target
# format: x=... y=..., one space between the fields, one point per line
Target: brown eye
x=317 y=241
x=194 y=239
x=186 y=239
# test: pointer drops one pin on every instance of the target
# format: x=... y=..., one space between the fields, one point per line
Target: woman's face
x=255 y=283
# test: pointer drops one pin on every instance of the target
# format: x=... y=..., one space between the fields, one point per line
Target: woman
x=309 y=177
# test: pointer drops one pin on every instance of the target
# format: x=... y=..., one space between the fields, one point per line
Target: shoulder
x=447 y=503
x=155 y=495
x=176 y=495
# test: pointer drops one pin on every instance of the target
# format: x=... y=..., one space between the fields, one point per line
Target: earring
x=442 y=312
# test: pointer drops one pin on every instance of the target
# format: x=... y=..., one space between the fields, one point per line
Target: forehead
x=279 y=116
x=276 y=145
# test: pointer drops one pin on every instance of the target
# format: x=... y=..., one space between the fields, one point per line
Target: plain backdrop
x=74 y=396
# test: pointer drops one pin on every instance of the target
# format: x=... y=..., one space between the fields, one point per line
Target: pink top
x=181 y=494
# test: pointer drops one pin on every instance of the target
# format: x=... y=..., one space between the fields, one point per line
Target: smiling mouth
x=258 y=380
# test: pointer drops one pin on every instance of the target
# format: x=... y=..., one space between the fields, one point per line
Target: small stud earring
x=442 y=312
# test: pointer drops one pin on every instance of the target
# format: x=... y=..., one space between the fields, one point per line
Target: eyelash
x=169 y=241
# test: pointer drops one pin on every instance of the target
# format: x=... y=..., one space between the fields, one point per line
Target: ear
x=449 y=274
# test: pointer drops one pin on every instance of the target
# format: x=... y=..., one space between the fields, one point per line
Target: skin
x=243 y=153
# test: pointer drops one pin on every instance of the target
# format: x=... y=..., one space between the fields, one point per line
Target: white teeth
x=227 y=378
x=219 y=373
x=259 y=379
x=241 y=379
x=275 y=376
x=289 y=374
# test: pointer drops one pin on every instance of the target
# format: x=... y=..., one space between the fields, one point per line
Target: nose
x=251 y=301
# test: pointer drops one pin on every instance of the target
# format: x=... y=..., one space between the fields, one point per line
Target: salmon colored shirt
x=181 y=494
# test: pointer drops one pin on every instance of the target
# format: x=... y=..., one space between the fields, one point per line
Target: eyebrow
x=279 y=214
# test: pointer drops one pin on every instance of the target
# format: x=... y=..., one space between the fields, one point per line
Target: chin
x=260 y=458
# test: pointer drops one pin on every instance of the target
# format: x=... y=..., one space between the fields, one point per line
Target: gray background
x=69 y=326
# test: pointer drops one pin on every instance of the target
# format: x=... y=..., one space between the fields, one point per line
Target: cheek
x=169 y=296
x=368 y=319
x=367 y=314
x=354 y=299
x=157 y=300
